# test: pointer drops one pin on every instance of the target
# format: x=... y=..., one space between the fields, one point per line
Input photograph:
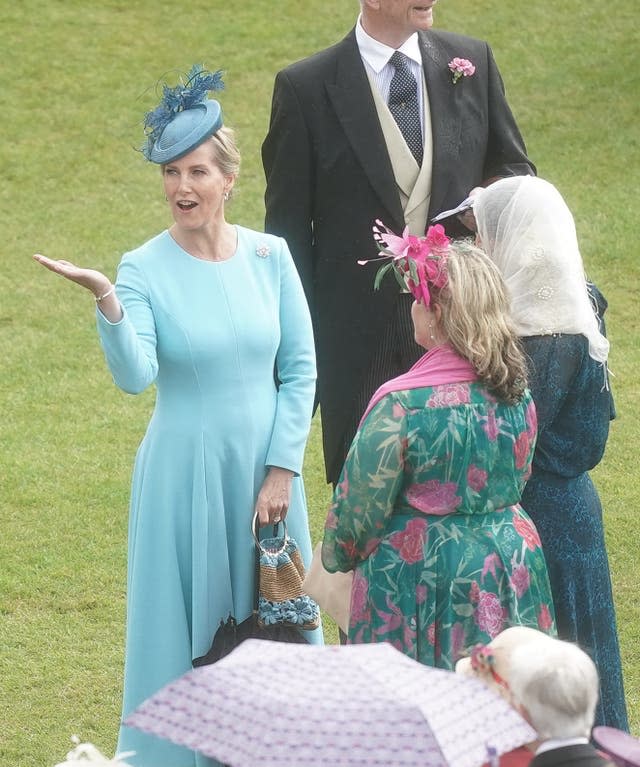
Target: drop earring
x=431 y=336
x=226 y=195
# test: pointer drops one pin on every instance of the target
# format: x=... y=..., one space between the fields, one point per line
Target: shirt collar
x=554 y=743
x=377 y=54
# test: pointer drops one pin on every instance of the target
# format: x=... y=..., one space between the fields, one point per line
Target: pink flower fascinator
x=417 y=262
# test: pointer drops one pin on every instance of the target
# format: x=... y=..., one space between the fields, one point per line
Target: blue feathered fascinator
x=184 y=118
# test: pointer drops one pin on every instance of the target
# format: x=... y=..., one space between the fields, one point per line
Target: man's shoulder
x=567 y=756
x=321 y=60
x=453 y=39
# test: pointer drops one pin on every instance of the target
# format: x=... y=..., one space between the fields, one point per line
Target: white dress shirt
x=376 y=55
x=550 y=745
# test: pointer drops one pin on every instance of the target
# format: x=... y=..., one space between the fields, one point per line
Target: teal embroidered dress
x=426 y=512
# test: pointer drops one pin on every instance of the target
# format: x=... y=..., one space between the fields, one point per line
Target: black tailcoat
x=329 y=177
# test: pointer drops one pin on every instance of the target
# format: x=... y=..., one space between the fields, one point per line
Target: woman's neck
x=216 y=242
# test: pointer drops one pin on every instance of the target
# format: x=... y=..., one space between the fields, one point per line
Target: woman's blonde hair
x=476 y=320
x=226 y=153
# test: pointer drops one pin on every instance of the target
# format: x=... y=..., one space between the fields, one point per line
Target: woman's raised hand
x=90 y=279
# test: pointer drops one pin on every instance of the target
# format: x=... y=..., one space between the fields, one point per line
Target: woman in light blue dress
x=215 y=315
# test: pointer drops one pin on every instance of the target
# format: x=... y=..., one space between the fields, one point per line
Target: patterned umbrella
x=272 y=704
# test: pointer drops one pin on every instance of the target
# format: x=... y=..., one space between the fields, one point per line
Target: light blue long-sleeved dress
x=209 y=335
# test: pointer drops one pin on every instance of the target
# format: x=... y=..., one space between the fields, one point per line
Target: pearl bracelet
x=105 y=295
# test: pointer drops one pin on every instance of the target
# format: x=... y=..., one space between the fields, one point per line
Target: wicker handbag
x=280 y=607
x=281 y=598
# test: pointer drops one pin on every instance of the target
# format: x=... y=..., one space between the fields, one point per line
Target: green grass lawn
x=75 y=80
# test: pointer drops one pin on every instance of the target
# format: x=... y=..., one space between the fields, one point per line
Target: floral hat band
x=184 y=118
x=483 y=661
x=417 y=262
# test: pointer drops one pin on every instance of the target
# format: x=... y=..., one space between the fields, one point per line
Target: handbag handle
x=285 y=537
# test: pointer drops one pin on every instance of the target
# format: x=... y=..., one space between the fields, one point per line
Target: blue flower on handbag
x=300 y=611
x=281 y=598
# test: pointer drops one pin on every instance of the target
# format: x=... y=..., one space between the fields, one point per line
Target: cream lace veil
x=527 y=229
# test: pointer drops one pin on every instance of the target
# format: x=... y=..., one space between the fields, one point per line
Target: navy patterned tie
x=403 y=104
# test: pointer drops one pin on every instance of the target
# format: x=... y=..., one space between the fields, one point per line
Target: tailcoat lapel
x=445 y=119
x=353 y=103
x=354 y=106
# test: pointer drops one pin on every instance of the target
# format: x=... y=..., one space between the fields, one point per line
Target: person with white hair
x=491 y=665
x=555 y=688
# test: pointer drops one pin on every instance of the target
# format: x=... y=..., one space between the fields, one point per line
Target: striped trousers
x=396 y=353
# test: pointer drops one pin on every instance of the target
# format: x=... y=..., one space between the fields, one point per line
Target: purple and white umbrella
x=272 y=704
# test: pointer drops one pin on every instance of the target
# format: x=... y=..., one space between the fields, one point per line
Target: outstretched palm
x=90 y=279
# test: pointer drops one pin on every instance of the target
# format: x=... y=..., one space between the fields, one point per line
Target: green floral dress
x=426 y=512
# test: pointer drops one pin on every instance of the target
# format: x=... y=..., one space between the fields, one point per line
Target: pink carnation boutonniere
x=461 y=68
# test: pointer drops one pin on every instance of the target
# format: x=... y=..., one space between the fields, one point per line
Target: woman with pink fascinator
x=426 y=512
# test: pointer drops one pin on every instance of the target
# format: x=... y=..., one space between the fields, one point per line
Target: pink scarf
x=440 y=365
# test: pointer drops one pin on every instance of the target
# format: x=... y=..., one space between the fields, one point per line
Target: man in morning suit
x=356 y=137
x=555 y=688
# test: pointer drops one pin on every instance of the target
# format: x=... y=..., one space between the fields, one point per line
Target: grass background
x=75 y=79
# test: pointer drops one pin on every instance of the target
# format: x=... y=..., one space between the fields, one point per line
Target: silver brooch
x=263 y=251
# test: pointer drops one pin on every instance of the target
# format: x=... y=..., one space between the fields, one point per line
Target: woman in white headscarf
x=527 y=229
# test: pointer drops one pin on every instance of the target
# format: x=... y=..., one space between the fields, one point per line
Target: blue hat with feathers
x=184 y=118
